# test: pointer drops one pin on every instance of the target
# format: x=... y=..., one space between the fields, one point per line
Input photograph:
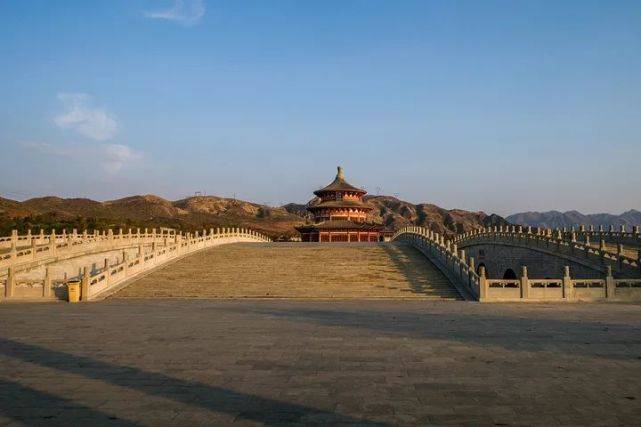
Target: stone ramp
x=298 y=270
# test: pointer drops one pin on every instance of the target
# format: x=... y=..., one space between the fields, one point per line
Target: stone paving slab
x=284 y=362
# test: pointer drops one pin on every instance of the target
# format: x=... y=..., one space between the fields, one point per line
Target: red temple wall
x=341 y=236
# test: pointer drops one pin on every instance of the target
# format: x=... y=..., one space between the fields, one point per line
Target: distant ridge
x=568 y=219
x=198 y=212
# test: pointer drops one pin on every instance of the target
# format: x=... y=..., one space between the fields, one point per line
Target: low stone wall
x=563 y=289
x=97 y=283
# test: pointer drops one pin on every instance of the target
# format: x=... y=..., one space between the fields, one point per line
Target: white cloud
x=111 y=157
x=85 y=119
x=116 y=156
x=185 y=12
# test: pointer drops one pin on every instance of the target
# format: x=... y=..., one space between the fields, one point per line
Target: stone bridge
x=494 y=264
x=504 y=250
x=39 y=266
x=539 y=267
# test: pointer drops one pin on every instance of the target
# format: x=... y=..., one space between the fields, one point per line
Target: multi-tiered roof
x=341 y=212
x=338 y=198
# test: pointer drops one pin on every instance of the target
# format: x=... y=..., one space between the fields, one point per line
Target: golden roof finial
x=340 y=174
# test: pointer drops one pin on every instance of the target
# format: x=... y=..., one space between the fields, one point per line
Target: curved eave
x=321 y=206
x=340 y=226
x=346 y=189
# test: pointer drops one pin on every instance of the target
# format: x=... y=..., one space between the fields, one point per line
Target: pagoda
x=340 y=215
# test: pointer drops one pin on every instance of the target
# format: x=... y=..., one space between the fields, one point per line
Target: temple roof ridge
x=340 y=184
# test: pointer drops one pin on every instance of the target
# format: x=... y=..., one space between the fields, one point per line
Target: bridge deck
x=298 y=270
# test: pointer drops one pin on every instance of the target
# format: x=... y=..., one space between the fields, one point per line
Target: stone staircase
x=298 y=270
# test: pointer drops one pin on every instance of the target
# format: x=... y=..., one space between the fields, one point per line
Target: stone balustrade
x=96 y=283
x=562 y=289
x=31 y=250
x=461 y=271
x=623 y=232
x=444 y=254
x=554 y=242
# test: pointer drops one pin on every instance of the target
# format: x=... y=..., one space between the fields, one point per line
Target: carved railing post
x=52 y=243
x=610 y=284
x=483 y=286
x=567 y=284
x=10 y=283
x=125 y=263
x=620 y=255
x=84 y=286
x=46 y=284
x=34 y=248
x=524 y=283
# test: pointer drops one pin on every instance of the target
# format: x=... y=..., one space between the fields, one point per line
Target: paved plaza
x=280 y=362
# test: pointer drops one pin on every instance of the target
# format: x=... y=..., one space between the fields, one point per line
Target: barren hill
x=200 y=212
x=397 y=213
x=554 y=219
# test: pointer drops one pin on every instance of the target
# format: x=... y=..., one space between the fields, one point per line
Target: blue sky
x=501 y=106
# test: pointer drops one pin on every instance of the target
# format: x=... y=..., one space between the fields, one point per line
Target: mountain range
x=553 y=219
x=198 y=212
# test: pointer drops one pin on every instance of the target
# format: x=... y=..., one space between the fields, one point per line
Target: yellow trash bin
x=73 y=290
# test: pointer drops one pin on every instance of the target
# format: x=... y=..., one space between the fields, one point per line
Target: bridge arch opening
x=509 y=274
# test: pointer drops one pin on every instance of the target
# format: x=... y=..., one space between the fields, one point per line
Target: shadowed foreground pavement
x=189 y=362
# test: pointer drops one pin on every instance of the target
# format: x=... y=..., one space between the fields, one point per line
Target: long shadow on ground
x=564 y=337
x=243 y=406
x=33 y=407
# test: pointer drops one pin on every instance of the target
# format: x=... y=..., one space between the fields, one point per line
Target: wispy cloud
x=51 y=149
x=184 y=12
x=112 y=158
x=82 y=117
x=117 y=156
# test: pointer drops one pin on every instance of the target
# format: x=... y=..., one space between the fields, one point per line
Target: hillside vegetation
x=196 y=213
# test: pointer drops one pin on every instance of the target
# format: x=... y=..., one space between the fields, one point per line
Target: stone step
x=298 y=270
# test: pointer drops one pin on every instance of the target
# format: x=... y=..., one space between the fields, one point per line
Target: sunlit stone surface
x=298 y=270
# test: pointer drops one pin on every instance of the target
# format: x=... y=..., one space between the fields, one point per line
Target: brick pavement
x=280 y=362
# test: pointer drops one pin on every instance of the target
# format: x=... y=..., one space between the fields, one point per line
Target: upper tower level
x=340 y=201
x=339 y=189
